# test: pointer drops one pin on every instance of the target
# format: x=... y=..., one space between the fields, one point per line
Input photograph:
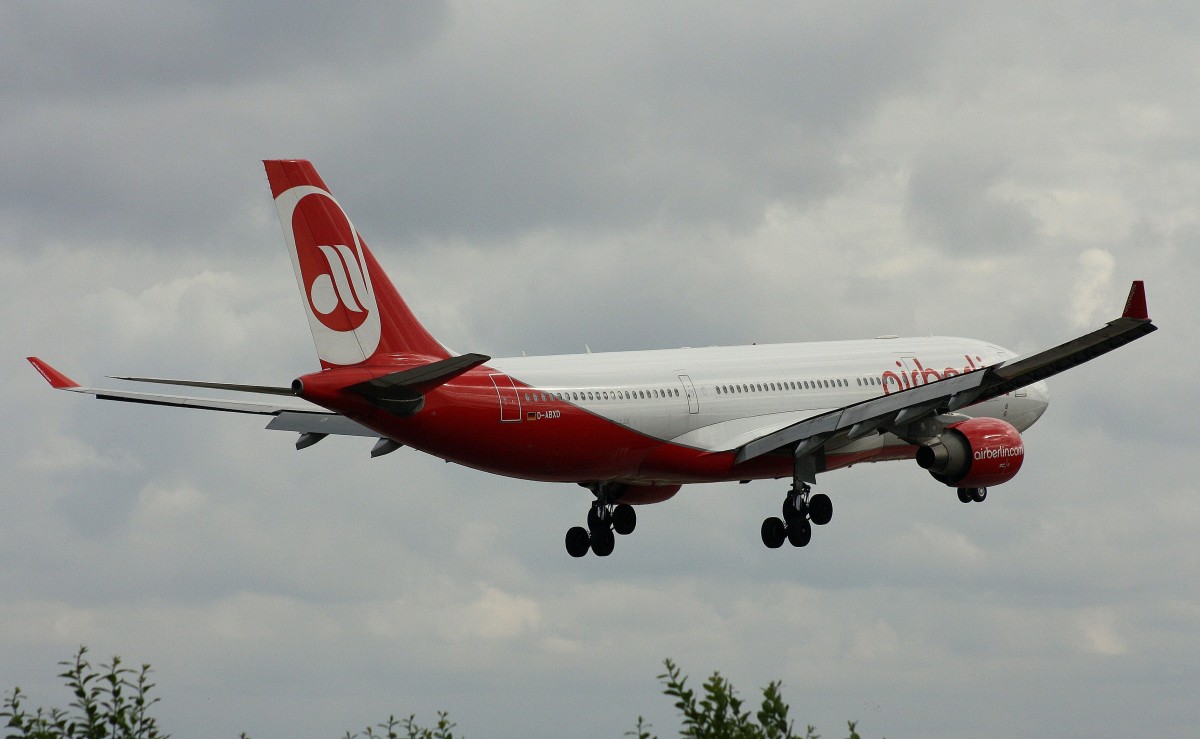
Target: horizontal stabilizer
x=298 y=415
x=260 y=389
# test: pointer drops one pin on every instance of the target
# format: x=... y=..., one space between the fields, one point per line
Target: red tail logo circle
x=332 y=267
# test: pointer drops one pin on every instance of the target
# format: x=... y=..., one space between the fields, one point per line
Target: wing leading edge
x=953 y=393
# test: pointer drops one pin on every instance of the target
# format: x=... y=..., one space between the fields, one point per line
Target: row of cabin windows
x=759 y=387
x=763 y=387
x=603 y=395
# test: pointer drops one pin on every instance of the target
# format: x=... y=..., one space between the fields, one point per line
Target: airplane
x=633 y=427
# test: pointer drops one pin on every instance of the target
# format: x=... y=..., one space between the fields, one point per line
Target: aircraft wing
x=298 y=416
x=956 y=392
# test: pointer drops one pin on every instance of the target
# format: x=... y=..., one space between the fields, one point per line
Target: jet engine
x=975 y=453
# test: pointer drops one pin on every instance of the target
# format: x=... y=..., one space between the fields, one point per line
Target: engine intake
x=976 y=453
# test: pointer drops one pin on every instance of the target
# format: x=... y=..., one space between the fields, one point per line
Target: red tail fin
x=353 y=310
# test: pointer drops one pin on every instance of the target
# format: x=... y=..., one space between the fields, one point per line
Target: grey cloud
x=117 y=53
x=952 y=202
x=537 y=178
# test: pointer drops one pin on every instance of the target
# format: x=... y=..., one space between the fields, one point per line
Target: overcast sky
x=540 y=176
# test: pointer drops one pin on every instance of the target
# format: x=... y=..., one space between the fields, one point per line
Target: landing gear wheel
x=964 y=494
x=793 y=508
x=597 y=518
x=603 y=542
x=820 y=509
x=979 y=494
x=799 y=533
x=624 y=519
x=578 y=541
x=773 y=533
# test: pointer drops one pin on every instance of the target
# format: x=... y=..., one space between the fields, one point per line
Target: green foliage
x=392 y=729
x=719 y=713
x=113 y=703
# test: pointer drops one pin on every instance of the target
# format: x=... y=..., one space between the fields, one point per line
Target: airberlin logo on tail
x=331 y=267
x=340 y=283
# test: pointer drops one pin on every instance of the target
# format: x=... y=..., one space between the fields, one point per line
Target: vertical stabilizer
x=353 y=310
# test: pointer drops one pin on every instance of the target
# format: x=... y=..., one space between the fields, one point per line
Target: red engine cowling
x=974 y=454
x=645 y=494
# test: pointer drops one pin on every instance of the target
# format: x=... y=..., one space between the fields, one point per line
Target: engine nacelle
x=976 y=453
x=646 y=494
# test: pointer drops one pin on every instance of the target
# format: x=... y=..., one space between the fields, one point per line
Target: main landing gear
x=801 y=511
x=972 y=495
x=605 y=519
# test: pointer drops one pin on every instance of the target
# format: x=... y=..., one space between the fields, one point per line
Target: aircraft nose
x=1038 y=399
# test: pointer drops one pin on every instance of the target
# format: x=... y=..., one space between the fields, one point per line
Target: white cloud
x=1093 y=287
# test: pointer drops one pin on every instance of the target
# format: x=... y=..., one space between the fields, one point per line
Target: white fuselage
x=717 y=398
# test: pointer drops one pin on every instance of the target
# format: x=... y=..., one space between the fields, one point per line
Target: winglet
x=57 y=380
x=1135 y=304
